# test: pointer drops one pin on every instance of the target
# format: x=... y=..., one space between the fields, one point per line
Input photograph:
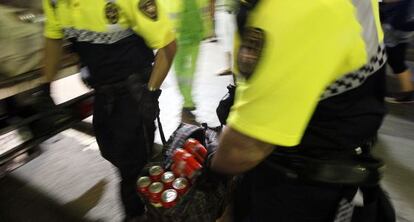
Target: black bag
x=225 y=104
x=377 y=206
x=207 y=197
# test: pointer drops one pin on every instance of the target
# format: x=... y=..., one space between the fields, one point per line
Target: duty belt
x=112 y=88
x=122 y=86
x=357 y=170
x=131 y=85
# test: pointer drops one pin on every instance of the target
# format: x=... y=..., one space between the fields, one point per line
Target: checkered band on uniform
x=356 y=79
x=97 y=37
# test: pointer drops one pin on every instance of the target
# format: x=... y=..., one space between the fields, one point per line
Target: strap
x=149 y=149
x=162 y=135
x=245 y=7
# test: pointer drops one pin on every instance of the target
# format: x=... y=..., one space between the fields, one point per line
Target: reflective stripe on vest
x=375 y=51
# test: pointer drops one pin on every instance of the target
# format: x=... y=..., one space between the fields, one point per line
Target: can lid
x=169 y=196
x=193 y=141
x=144 y=182
x=155 y=170
x=168 y=177
x=156 y=187
x=180 y=183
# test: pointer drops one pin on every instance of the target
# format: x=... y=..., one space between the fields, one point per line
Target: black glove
x=146 y=99
x=45 y=88
x=225 y=104
x=149 y=106
x=210 y=179
x=41 y=98
x=42 y=103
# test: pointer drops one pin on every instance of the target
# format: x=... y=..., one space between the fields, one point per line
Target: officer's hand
x=42 y=99
x=149 y=106
x=210 y=179
x=210 y=174
x=45 y=88
x=225 y=104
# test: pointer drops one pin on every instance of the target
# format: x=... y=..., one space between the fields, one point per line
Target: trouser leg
x=119 y=133
x=131 y=202
x=396 y=57
x=185 y=67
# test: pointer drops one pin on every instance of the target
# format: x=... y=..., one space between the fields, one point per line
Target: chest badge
x=250 y=51
x=112 y=12
x=148 y=8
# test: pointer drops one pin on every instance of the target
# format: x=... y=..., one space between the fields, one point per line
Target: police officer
x=115 y=40
x=297 y=118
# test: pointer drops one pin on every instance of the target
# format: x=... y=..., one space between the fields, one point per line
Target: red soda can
x=194 y=147
x=169 y=198
x=193 y=167
x=202 y=152
x=155 y=173
x=181 y=169
x=177 y=172
x=185 y=164
x=191 y=143
x=181 y=185
x=184 y=169
x=180 y=154
x=199 y=152
x=143 y=184
x=167 y=179
x=155 y=190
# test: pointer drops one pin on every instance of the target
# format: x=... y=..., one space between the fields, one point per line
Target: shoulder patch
x=53 y=3
x=112 y=12
x=250 y=51
x=148 y=8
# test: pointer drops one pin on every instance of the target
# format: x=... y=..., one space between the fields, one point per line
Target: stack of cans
x=188 y=161
x=162 y=187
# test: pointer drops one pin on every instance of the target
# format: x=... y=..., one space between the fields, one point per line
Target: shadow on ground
x=22 y=203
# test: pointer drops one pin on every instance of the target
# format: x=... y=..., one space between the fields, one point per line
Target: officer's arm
x=163 y=61
x=51 y=60
x=238 y=153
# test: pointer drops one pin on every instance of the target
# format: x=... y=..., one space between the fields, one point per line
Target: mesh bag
x=208 y=195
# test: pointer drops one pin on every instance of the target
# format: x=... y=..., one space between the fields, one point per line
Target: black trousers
x=396 y=57
x=395 y=14
x=264 y=195
x=124 y=140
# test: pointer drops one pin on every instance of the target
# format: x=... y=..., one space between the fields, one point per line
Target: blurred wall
x=34 y=4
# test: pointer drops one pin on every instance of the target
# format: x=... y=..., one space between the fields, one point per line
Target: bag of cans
x=180 y=189
x=162 y=188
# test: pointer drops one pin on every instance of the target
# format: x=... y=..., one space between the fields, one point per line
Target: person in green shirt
x=190 y=33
